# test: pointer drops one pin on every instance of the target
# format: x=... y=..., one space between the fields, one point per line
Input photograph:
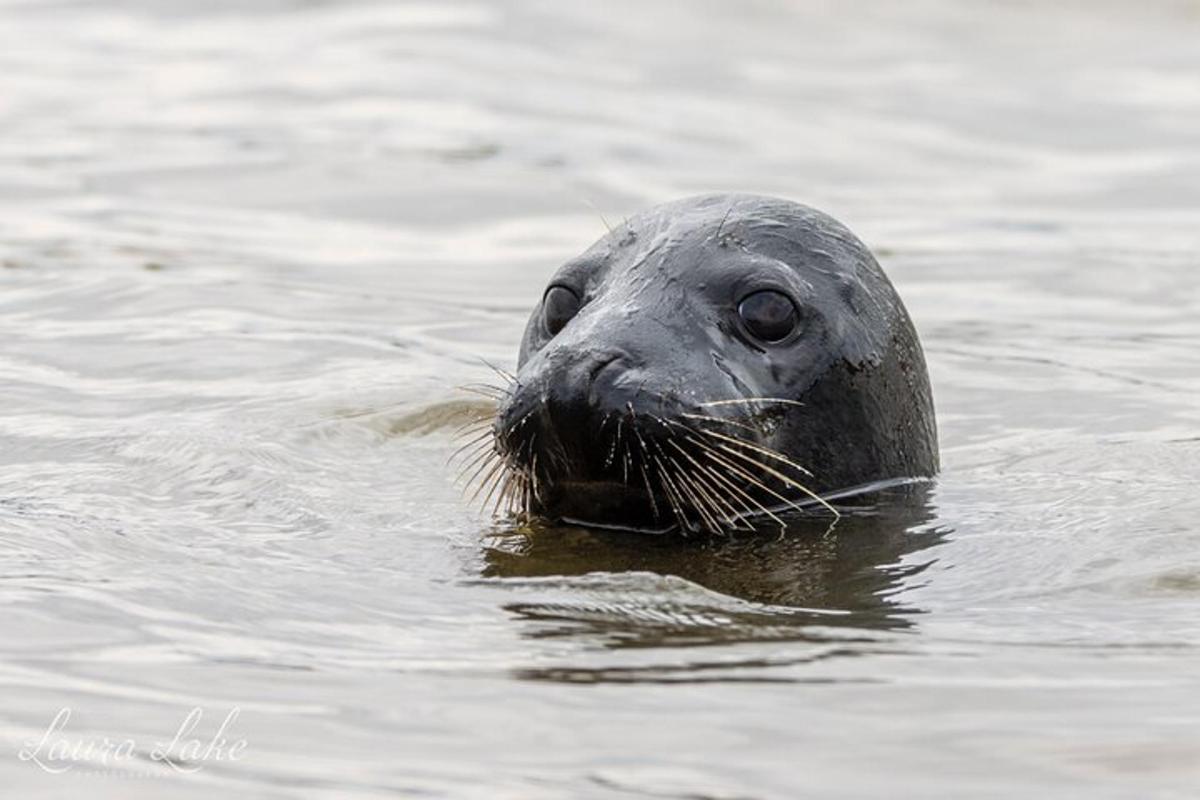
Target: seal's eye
x=558 y=306
x=769 y=315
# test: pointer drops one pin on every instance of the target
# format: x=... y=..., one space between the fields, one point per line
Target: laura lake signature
x=58 y=751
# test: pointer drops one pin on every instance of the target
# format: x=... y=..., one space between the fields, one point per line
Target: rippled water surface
x=249 y=250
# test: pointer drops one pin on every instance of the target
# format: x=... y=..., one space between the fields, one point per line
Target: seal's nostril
x=603 y=362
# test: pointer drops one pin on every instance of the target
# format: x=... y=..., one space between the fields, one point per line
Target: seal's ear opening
x=858 y=316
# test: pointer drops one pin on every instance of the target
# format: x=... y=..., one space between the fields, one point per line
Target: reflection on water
x=636 y=591
x=833 y=573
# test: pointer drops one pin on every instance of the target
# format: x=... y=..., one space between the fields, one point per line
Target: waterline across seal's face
x=713 y=360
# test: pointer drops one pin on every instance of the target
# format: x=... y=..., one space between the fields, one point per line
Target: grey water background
x=249 y=249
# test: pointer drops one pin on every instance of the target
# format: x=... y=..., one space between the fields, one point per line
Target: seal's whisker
x=475 y=421
x=503 y=373
x=759 y=508
x=481 y=433
x=510 y=496
x=710 y=522
x=704 y=475
x=685 y=504
x=559 y=457
x=500 y=482
x=494 y=472
x=479 y=418
x=672 y=497
x=706 y=418
x=662 y=479
x=504 y=494
x=479 y=438
x=750 y=478
x=770 y=454
x=470 y=461
x=736 y=520
x=728 y=211
x=650 y=492
x=766 y=451
x=490 y=477
x=490 y=395
x=520 y=490
x=703 y=502
x=781 y=476
x=516 y=426
x=524 y=509
x=721 y=477
x=625 y=459
x=505 y=387
x=751 y=401
x=612 y=448
x=469 y=427
x=732 y=516
x=484 y=442
x=490 y=389
x=533 y=482
x=516 y=494
x=488 y=459
x=755 y=402
x=472 y=431
x=533 y=468
x=484 y=453
x=685 y=491
x=637 y=436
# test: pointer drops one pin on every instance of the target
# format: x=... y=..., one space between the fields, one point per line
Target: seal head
x=712 y=360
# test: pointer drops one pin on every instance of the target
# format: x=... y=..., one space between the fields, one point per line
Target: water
x=248 y=253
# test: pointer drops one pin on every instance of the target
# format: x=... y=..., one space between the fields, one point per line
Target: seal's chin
x=607 y=504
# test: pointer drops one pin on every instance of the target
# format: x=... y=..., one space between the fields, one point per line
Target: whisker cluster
x=508 y=484
x=698 y=470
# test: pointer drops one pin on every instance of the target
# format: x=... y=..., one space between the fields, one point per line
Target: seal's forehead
x=714 y=212
x=769 y=226
x=717 y=234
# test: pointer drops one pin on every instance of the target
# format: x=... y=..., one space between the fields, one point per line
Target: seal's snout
x=569 y=399
x=584 y=421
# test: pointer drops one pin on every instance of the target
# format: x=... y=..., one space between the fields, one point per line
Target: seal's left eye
x=769 y=315
x=558 y=306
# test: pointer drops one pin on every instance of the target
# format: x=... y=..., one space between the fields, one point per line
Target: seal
x=712 y=363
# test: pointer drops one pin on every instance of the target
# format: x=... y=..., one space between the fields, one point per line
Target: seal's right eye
x=558 y=307
x=769 y=315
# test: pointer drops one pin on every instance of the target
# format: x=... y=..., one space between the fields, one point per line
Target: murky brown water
x=242 y=247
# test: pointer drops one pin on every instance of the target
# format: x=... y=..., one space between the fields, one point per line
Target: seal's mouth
x=605 y=504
